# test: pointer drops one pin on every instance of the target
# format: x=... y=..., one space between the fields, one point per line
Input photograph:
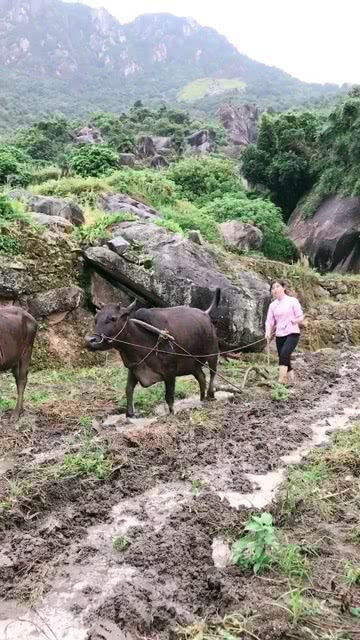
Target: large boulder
x=159 y=162
x=161 y=142
x=240 y=122
x=54 y=223
x=179 y=272
x=146 y=147
x=114 y=202
x=15 y=279
x=127 y=159
x=202 y=141
x=57 y=207
x=54 y=301
x=88 y=135
x=330 y=238
x=103 y=292
x=241 y=235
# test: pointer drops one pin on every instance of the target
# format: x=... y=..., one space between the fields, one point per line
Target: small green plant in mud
x=91 y=460
x=262 y=548
x=39 y=397
x=299 y=607
x=253 y=551
x=351 y=573
x=120 y=543
x=279 y=393
x=197 y=486
x=5 y=403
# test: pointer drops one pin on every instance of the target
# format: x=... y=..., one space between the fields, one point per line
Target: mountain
x=71 y=58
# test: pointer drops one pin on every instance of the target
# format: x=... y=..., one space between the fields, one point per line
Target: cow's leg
x=212 y=362
x=201 y=378
x=20 y=373
x=130 y=386
x=170 y=393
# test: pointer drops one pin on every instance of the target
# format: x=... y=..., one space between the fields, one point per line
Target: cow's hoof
x=210 y=398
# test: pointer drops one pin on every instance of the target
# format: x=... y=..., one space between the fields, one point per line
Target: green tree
x=92 y=160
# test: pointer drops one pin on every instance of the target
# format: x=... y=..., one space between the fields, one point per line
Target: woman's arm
x=298 y=313
x=270 y=324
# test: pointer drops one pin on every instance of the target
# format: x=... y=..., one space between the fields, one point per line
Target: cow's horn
x=130 y=307
x=100 y=305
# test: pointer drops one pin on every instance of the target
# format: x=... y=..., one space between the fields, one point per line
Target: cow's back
x=190 y=327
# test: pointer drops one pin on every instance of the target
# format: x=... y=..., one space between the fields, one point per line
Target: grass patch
x=99 y=229
x=209 y=86
x=120 y=543
x=279 y=393
x=91 y=460
x=303 y=490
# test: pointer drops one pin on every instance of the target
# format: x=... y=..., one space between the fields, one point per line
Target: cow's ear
x=129 y=309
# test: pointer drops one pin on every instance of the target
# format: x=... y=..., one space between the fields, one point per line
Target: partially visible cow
x=17 y=334
x=141 y=349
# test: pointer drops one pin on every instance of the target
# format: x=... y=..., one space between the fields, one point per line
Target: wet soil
x=171 y=493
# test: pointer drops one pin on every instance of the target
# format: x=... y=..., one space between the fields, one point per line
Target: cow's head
x=110 y=323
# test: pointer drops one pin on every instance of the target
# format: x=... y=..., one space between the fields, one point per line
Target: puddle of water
x=270 y=482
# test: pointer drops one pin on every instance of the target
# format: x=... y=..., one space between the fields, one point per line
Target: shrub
x=263 y=214
x=169 y=224
x=12 y=166
x=83 y=189
x=187 y=217
x=152 y=186
x=200 y=179
x=99 y=229
x=92 y=160
x=43 y=174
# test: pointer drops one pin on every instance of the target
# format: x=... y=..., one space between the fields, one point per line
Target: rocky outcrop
x=57 y=207
x=159 y=162
x=114 y=202
x=202 y=142
x=54 y=223
x=240 y=122
x=103 y=292
x=330 y=238
x=146 y=147
x=88 y=135
x=241 y=236
x=55 y=301
x=162 y=143
x=127 y=159
x=179 y=272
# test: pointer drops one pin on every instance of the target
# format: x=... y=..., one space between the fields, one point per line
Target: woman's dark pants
x=285 y=347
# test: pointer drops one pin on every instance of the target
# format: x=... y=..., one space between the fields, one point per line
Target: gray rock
x=15 y=279
x=146 y=147
x=119 y=245
x=127 y=159
x=55 y=223
x=180 y=272
x=159 y=162
x=241 y=235
x=57 y=207
x=330 y=238
x=88 y=135
x=55 y=301
x=241 y=123
x=119 y=202
x=103 y=292
x=161 y=142
x=195 y=236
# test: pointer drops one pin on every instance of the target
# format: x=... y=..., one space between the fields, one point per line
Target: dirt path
x=143 y=549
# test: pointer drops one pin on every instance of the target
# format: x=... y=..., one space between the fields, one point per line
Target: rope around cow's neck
x=186 y=354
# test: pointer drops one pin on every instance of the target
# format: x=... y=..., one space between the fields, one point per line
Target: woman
x=284 y=318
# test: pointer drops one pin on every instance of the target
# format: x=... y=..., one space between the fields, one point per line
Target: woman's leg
x=283 y=369
x=287 y=349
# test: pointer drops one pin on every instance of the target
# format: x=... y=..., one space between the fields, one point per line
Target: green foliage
x=13 y=166
x=279 y=393
x=169 y=224
x=202 y=178
x=263 y=214
x=152 y=186
x=253 y=551
x=84 y=189
x=282 y=161
x=120 y=543
x=205 y=86
x=93 y=160
x=47 y=139
x=10 y=237
x=39 y=175
x=90 y=460
x=89 y=234
x=187 y=216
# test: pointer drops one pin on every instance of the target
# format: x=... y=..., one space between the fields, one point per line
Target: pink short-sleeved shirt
x=281 y=315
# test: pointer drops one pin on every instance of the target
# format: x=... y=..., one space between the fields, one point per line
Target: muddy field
x=113 y=529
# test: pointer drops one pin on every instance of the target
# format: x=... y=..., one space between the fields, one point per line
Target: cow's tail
x=215 y=302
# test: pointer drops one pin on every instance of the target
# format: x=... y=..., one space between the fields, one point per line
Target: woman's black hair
x=282 y=282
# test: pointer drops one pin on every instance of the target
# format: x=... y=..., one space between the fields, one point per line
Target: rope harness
x=165 y=335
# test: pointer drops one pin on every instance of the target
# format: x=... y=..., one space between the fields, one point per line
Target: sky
x=314 y=40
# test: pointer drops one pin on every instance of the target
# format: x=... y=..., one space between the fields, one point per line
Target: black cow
x=141 y=348
x=17 y=334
